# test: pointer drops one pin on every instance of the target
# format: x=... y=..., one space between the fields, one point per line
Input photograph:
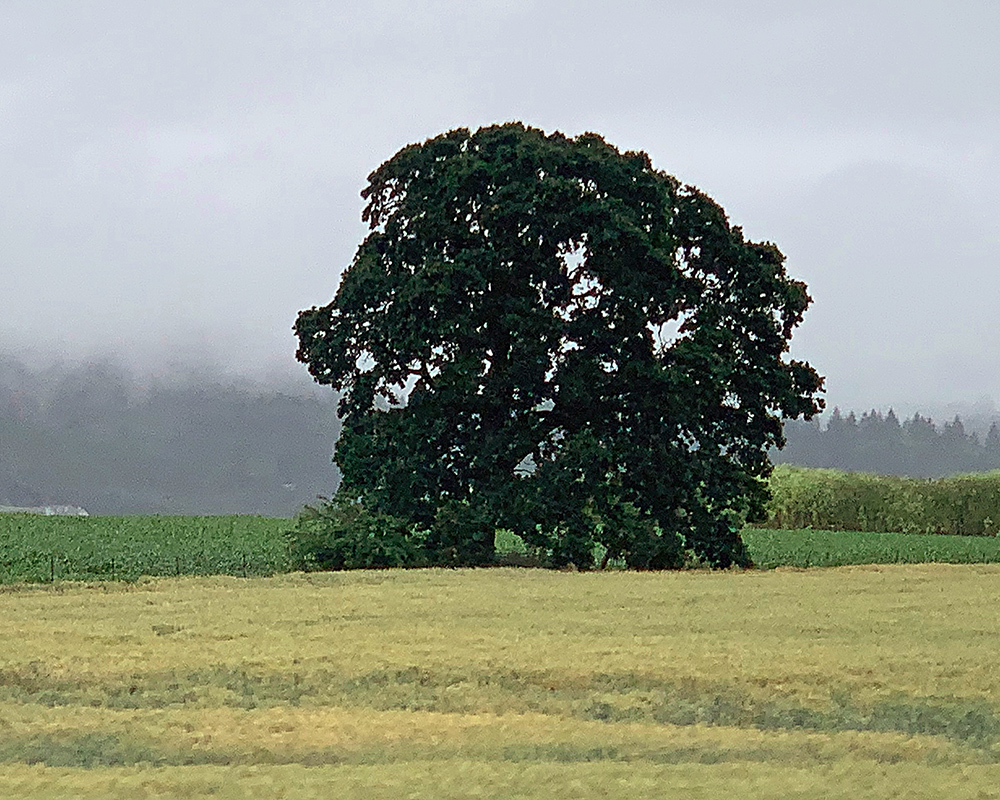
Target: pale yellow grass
x=295 y=735
x=928 y=629
x=504 y=683
x=430 y=780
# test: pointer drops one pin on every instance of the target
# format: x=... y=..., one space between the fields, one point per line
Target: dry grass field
x=838 y=683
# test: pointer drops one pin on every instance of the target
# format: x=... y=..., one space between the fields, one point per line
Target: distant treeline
x=883 y=444
x=91 y=436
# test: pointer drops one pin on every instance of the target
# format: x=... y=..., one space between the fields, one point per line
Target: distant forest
x=92 y=436
x=882 y=444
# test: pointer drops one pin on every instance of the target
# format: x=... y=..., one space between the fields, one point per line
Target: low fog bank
x=192 y=438
x=115 y=440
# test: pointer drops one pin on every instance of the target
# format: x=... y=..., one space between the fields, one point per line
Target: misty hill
x=94 y=436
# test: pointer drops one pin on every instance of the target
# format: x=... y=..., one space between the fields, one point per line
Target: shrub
x=345 y=535
x=830 y=499
x=462 y=535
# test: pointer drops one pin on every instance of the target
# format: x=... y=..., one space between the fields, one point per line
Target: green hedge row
x=829 y=499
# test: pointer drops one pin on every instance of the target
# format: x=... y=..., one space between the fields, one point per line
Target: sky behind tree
x=180 y=179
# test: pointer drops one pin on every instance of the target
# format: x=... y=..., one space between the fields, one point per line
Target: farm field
x=809 y=548
x=876 y=681
x=45 y=549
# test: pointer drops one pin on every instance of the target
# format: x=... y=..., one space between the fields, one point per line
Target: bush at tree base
x=345 y=535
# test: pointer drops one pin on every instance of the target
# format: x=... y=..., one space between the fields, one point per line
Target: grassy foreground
x=841 y=683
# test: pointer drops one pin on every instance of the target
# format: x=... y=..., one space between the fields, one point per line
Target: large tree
x=546 y=334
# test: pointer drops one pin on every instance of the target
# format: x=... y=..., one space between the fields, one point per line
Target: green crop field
x=45 y=549
x=808 y=548
x=41 y=548
x=857 y=682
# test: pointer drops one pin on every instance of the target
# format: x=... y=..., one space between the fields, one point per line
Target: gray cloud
x=180 y=179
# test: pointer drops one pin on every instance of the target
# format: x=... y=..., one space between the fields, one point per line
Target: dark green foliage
x=345 y=535
x=462 y=533
x=647 y=546
x=541 y=333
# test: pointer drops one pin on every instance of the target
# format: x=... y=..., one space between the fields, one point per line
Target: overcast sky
x=180 y=178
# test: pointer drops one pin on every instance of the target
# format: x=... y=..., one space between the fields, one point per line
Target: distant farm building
x=67 y=511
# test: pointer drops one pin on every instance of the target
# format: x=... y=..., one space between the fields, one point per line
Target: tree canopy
x=545 y=334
